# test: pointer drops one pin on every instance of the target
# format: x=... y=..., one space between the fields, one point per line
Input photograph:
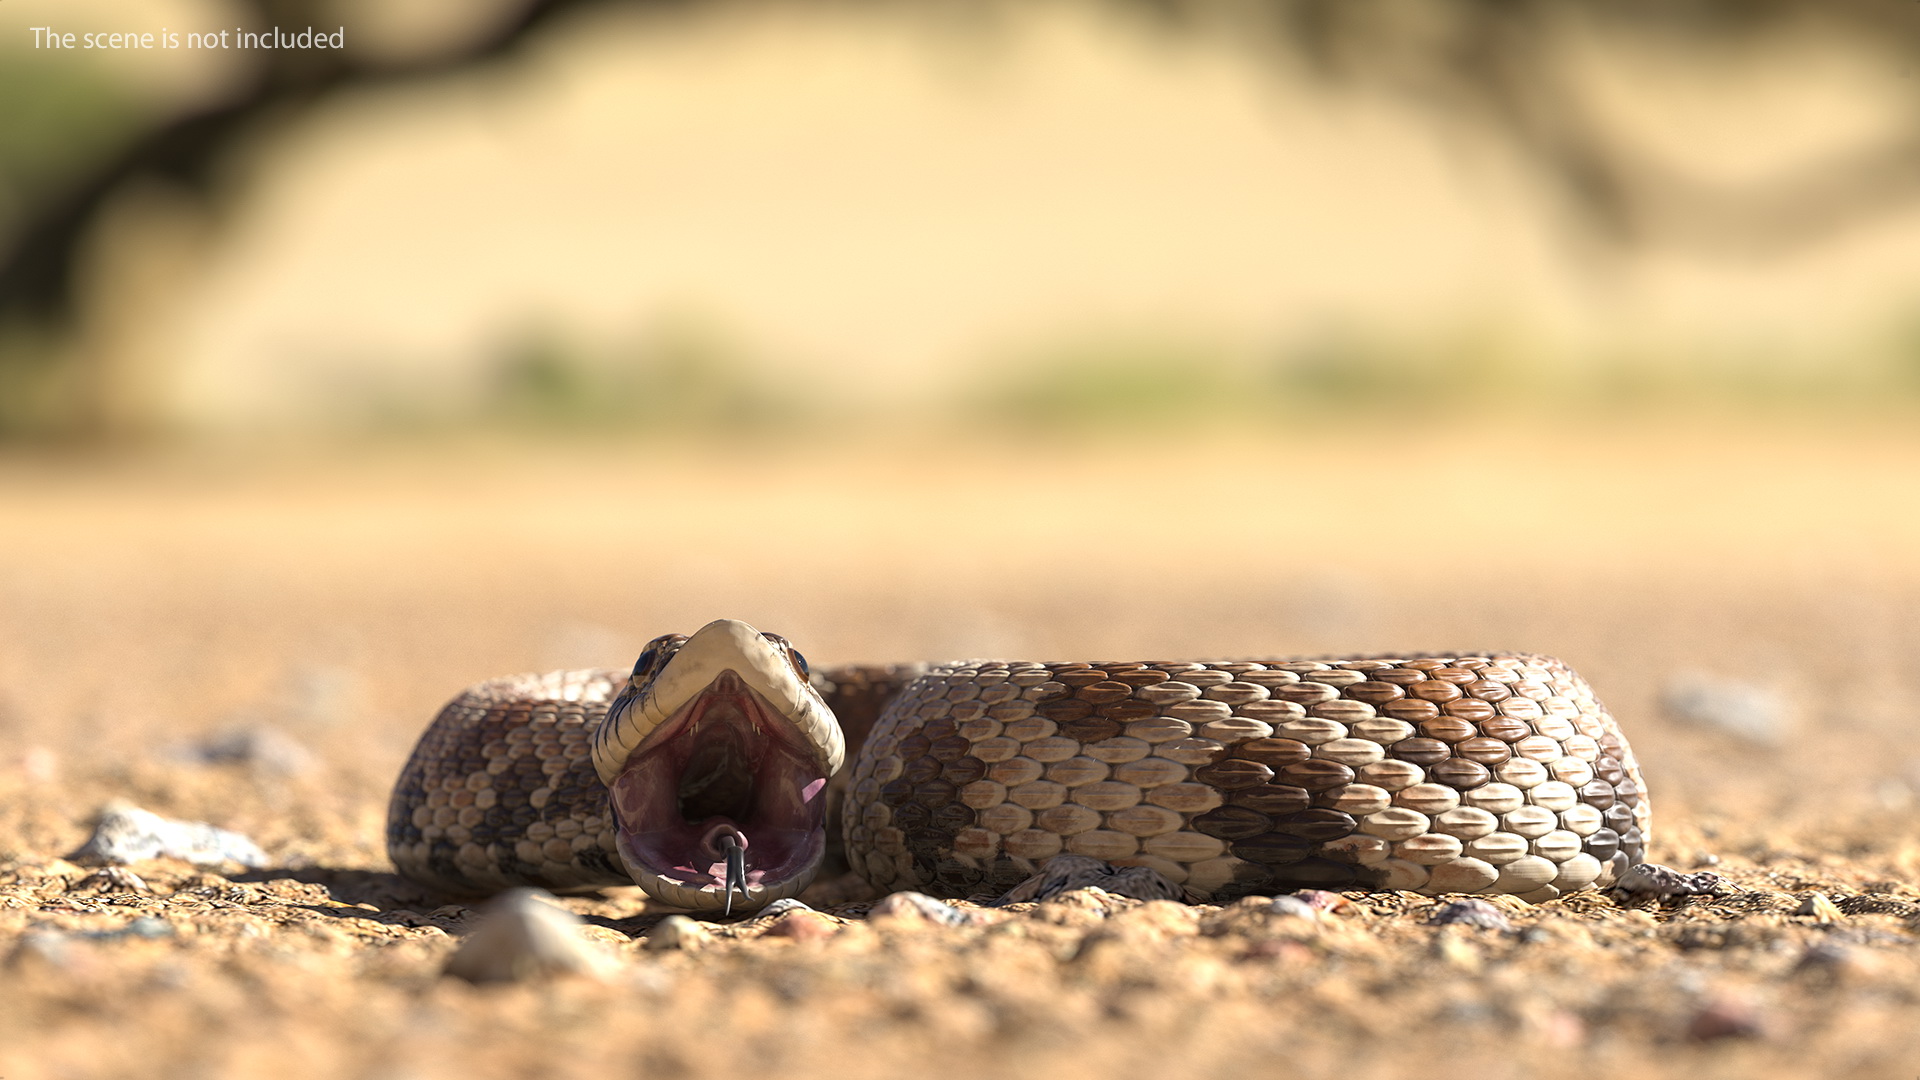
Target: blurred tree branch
x=36 y=274
x=1508 y=65
x=1501 y=64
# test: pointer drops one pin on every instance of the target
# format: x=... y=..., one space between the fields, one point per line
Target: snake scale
x=714 y=770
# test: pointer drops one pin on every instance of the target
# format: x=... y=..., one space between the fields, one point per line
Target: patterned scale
x=1498 y=773
x=502 y=791
x=1495 y=773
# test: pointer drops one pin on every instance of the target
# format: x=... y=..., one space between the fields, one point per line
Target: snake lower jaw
x=705 y=886
x=713 y=898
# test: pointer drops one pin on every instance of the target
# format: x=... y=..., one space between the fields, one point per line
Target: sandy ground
x=325 y=604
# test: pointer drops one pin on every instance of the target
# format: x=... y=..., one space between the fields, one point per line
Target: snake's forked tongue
x=736 y=869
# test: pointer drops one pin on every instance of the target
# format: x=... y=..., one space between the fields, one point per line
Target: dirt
x=254 y=641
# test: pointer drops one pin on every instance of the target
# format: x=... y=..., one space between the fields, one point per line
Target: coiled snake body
x=1458 y=773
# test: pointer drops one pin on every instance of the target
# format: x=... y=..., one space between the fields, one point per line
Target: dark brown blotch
x=956 y=878
x=950 y=749
x=1104 y=692
x=1232 y=823
x=1272 y=798
x=1410 y=710
x=1603 y=844
x=1483 y=750
x=1128 y=711
x=951 y=817
x=1317 y=775
x=1504 y=728
x=964 y=771
x=1092 y=729
x=1460 y=773
x=1233 y=774
x=1272 y=849
x=1316 y=873
x=933 y=793
x=1274 y=753
x=1447 y=729
x=1318 y=826
x=1064 y=710
x=1375 y=692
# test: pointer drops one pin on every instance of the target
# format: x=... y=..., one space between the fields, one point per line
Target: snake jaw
x=721 y=645
x=727 y=741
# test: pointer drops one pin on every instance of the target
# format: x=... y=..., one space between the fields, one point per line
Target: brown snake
x=710 y=776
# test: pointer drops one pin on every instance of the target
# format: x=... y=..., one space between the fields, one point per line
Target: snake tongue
x=736 y=870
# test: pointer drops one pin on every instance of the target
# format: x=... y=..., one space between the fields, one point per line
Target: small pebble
x=128 y=834
x=678 y=932
x=522 y=935
x=1827 y=956
x=1087 y=907
x=111 y=879
x=1455 y=951
x=781 y=907
x=1294 y=907
x=1322 y=900
x=1820 y=907
x=45 y=950
x=147 y=926
x=1753 y=713
x=261 y=747
x=1652 y=879
x=1475 y=913
x=1559 y=1028
x=803 y=926
x=1726 y=1018
x=913 y=905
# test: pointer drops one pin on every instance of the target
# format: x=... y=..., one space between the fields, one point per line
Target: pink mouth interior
x=726 y=762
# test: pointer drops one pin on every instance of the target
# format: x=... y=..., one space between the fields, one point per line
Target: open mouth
x=725 y=770
x=716 y=757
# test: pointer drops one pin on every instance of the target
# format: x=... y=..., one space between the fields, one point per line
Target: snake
x=722 y=773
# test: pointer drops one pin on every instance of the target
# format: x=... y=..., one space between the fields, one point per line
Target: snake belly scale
x=1488 y=773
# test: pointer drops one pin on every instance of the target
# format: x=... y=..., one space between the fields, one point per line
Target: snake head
x=718 y=751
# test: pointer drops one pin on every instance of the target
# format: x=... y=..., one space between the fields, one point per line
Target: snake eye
x=641 y=665
x=799 y=661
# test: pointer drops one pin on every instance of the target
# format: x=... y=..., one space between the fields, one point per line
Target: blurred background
x=512 y=334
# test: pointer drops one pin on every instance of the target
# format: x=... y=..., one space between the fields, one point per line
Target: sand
x=255 y=638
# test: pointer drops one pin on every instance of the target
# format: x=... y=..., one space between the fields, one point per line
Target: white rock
x=523 y=935
x=678 y=932
x=1743 y=710
x=128 y=834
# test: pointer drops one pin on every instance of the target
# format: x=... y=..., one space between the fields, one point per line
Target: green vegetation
x=683 y=375
x=61 y=116
x=1346 y=375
